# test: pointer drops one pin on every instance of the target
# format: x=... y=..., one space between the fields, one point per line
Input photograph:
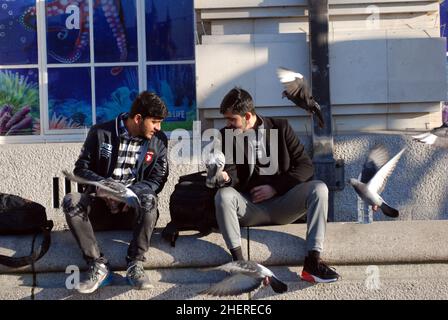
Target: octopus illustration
x=114 y=16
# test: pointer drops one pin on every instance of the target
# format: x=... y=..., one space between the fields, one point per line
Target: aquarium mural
x=70 y=60
x=69 y=98
x=169 y=30
x=115 y=31
x=114 y=93
x=18 y=35
x=175 y=84
x=19 y=102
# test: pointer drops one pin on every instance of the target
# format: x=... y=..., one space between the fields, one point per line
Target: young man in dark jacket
x=130 y=150
x=257 y=193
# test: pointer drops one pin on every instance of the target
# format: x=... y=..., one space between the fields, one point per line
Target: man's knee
x=225 y=195
x=75 y=204
x=319 y=190
x=149 y=202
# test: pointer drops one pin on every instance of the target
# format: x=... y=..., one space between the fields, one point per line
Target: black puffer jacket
x=99 y=155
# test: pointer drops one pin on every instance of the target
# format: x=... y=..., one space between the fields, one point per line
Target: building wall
x=390 y=78
x=387 y=60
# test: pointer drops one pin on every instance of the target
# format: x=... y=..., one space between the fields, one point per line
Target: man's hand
x=375 y=208
x=262 y=193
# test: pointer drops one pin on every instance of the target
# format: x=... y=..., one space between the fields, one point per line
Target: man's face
x=236 y=121
x=149 y=126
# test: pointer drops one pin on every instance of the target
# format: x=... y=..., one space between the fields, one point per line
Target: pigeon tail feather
x=389 y=211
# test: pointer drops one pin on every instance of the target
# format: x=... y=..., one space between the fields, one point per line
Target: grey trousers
x=235 y=210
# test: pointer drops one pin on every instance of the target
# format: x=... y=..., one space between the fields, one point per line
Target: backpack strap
x=36 y=254
x=170 y=233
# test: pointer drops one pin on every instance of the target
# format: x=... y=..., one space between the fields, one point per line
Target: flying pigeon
x=215 y=165
x=109 y=188
x=296 y=90
x=246 y=276
x=375 y=173
x=437 y=137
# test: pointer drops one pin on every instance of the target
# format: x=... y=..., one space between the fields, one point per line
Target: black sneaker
x=317 y=271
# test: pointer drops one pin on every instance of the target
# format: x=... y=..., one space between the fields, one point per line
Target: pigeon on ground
x=110 y=189
x=437 y=137
x=215 y=165
x=245 y=277
x=296 y=90
x=375 y=173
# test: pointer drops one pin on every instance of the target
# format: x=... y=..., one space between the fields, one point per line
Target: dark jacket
x=294 y=165
x=99 y=155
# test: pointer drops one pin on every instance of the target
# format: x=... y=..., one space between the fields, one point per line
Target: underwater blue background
x=69 y=96
x=169 y=38
x=18 y=44
x=114 y=93
x=169 y=30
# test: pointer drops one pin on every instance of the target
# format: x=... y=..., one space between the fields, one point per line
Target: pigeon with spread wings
x=297 y=91
x=109 y=189
x=377 y=169
x=245 y=277
x=437 y=137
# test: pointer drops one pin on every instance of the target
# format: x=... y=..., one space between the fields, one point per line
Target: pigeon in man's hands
x=215 y=165
x=109 y=189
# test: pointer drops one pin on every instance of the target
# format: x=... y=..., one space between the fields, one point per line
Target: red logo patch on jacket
x=148 y=157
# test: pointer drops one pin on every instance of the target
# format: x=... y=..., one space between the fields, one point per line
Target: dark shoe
x=315 y=270
x=98 y=276
x=136 y=276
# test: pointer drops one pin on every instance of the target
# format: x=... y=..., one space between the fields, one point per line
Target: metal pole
x=323 y=158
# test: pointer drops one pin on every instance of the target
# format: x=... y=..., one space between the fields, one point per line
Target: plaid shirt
x=128 y=154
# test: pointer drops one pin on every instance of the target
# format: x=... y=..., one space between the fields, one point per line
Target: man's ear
x=247 y=116
x=138 y=118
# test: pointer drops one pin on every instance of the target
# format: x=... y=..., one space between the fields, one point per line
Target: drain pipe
x=327 y=168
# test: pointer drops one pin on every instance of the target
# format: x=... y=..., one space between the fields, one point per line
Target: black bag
x=19 y=216
x=192 y=207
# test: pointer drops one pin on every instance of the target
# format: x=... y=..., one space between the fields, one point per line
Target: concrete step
x=345 y=244
x=416 y=281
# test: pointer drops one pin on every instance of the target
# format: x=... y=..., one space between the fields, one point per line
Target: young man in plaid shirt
x=131 y=150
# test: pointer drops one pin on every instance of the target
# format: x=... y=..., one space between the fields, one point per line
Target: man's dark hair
x=237 y=101
x=148 y=104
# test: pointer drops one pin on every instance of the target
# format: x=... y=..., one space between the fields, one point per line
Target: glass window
x=115 y=31
x=88 y=85
x=68 y=31
x=69 y=98
x=18 y=32
x=115 y=92
x=175 y=84
x=169 y=30
x=19 y=102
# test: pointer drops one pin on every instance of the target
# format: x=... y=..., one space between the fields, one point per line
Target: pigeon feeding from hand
x=297 y=91
x=215 y=165
x=437 y=137
x=109 y=189
x=246 y=276
x=377 y=169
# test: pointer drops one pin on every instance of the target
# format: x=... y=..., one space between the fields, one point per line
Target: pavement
x=382 y=260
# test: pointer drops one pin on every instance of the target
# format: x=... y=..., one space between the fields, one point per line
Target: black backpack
x=192 y=207
x=19 y=216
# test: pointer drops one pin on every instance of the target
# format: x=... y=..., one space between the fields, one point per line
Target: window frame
x=48 y=135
